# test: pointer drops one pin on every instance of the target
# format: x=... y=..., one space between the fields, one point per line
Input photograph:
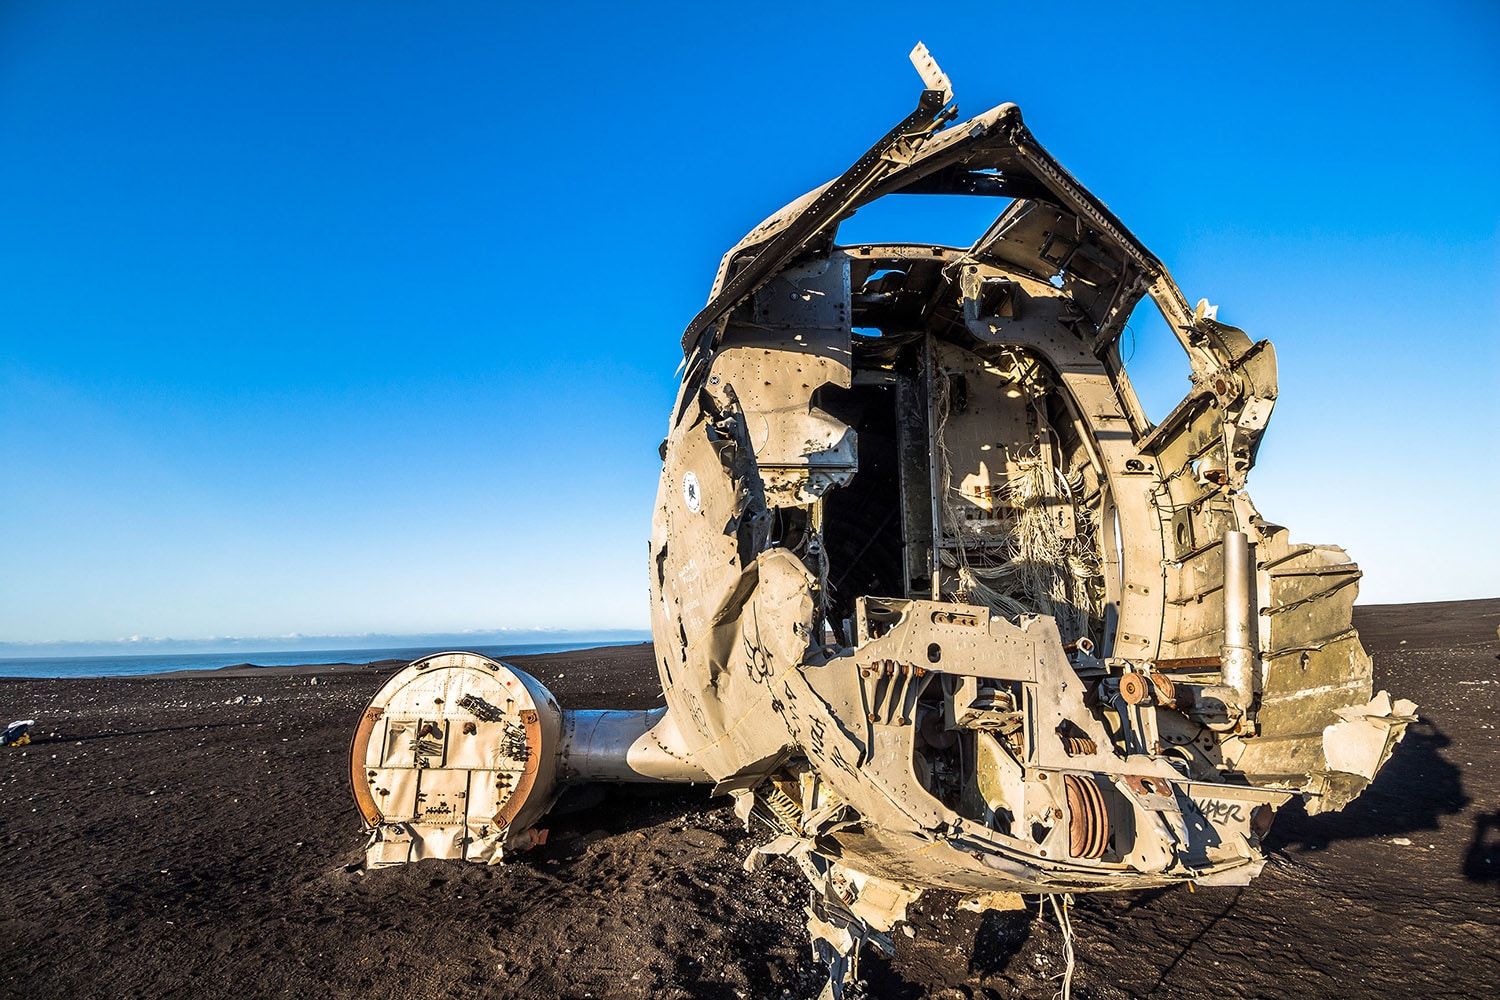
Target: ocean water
x=161 y=663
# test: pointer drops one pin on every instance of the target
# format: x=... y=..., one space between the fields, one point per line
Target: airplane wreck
x=932 y=598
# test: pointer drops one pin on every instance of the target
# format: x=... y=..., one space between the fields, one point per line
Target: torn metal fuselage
x=930 y=594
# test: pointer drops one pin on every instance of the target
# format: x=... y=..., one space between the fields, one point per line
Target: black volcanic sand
x=194 y=836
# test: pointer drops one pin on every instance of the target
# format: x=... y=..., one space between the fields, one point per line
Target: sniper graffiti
x=1221 y=812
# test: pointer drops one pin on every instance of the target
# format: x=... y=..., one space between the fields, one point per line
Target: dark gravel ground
x=194 y=837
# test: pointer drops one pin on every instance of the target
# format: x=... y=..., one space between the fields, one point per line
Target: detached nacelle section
x=452 y=753
x=458 y=756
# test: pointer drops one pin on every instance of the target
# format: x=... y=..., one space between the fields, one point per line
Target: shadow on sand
x=1482 y=859
x=1413 y=792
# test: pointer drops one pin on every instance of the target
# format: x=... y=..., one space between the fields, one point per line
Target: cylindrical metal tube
x=624 y=746
x=1238 y=652
x=1239 y=589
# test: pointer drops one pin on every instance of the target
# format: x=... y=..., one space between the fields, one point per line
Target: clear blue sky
x=344 y=317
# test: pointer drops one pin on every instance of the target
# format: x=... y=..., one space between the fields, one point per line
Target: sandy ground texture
x=194 y=837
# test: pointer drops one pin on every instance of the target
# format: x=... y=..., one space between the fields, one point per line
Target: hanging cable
x=1065 y=924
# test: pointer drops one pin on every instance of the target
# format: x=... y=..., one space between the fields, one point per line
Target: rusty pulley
x=1088 y=819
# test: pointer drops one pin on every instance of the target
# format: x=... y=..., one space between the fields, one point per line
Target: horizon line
x=298 y=640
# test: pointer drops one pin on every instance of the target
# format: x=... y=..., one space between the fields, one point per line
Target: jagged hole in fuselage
x=974 y=485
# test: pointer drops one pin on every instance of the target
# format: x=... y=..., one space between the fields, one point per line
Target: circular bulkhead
x=455 y=757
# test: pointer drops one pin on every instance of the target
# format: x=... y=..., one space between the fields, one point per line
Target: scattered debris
x=17 y=734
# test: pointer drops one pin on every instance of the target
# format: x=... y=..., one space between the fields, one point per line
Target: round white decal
x=690 y=494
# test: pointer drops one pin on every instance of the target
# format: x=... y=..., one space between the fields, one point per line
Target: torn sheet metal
x=1357 y=748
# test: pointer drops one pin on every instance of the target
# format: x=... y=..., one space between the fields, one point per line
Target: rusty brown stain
x=358 y=748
